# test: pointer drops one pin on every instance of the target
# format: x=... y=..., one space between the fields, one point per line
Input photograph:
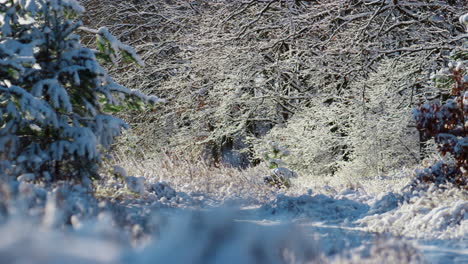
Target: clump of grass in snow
x=197 y=177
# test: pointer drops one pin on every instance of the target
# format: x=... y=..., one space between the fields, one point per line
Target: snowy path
x=317 y=228
x=335 y=223
x=342 y=239
x=338 y=233
x=329 y=225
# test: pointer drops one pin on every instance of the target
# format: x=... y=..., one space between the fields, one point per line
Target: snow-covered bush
x=364 y=131
x=314 y=137
x=55 y=99
x=380 y=134
x=446 y=122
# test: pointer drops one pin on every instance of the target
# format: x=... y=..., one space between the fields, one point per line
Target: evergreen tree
x=56 y=101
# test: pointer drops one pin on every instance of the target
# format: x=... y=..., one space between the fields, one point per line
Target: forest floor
x=208 y=220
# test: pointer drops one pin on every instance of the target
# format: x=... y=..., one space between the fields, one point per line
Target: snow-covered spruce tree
x=55 y=99
x=280 y=175
x=447 y=122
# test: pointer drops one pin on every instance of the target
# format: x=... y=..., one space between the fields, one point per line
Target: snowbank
x=316 y=208
x=432 y=214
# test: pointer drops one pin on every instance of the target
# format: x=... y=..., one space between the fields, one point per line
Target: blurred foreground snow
x=67 y=225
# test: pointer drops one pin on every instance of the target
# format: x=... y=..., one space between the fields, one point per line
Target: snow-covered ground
x=169 y=224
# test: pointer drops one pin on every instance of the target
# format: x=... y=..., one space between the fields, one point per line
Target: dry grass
x=196 y=177
x=371 y=185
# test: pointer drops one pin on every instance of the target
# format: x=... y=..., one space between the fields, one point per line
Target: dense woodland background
x=332 y=81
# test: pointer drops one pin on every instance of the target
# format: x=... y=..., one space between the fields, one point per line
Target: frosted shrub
x=313 y=137
x=55 y=99
x=380 y=135
x=446 y=122
x=364 y=131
